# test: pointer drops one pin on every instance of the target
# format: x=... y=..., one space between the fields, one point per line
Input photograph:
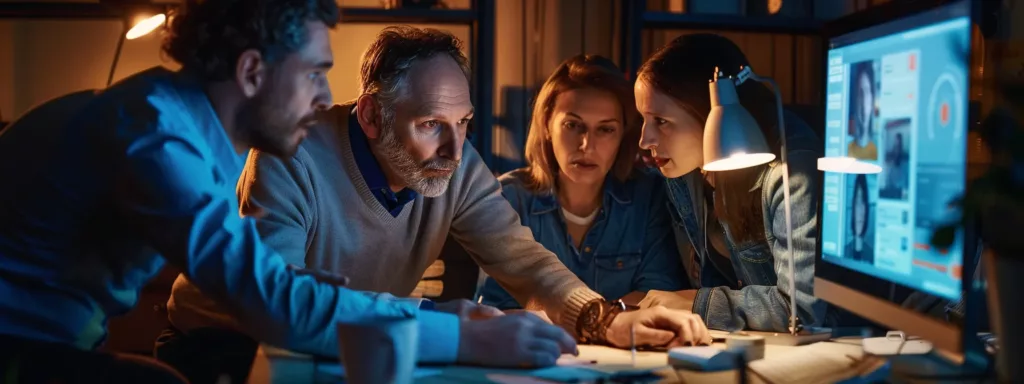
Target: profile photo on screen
x=863 y=95
x=861 y=244
x=896 y=160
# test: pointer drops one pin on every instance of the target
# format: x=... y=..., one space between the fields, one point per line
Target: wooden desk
x=273 y=365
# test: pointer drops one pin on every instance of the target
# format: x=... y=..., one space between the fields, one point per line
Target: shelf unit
x=480 y=18
x=635 y=18
x=66 y=10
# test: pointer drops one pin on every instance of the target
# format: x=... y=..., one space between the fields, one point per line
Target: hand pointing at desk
x=614 y=323
x=658 y=326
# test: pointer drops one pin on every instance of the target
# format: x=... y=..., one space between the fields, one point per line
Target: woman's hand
x=658 y=326
x=673 y=300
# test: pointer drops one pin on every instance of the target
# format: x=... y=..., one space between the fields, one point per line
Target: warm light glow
x=146 y=26
x=847 y=165
x=739 y=161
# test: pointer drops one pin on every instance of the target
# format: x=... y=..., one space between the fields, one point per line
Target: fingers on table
x=543 y=352
x=653 y=336
x=559 y=336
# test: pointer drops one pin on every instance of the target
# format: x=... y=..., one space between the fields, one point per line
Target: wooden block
x=435 y=270
x=428 y=288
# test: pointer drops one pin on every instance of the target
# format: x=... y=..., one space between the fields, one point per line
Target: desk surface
x=277 y=366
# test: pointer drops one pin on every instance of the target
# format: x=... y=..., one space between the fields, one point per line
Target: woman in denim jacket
x=582 y=196
x=730 y=226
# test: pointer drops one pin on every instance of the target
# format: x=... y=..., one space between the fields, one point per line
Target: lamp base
x=806 y=335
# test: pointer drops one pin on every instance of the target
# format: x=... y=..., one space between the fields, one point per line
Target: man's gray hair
x=386 y=62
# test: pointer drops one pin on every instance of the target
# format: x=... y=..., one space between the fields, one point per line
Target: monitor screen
x=897 y=97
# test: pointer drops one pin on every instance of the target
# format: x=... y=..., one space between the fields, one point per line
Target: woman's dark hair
x=864 y=68
x=860 y=184
x=207 y=36
x=682 y=70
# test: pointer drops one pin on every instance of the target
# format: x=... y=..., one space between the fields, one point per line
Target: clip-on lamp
x=733 y=140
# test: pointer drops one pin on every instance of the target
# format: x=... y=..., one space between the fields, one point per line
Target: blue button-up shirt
x=91 y=203
x=629 y=247
x=372 y=173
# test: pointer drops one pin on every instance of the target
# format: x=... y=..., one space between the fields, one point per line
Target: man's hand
x=658 y=326
x=520 y=340
x=468 y=310
x=682 y=300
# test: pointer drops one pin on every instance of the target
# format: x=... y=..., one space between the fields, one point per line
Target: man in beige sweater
x=373 y=193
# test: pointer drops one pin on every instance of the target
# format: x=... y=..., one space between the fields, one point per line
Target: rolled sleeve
x=702 y=302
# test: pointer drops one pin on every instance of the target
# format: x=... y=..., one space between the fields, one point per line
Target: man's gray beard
x=406 y=166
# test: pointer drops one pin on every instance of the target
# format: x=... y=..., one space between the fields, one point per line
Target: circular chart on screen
x=946 y=108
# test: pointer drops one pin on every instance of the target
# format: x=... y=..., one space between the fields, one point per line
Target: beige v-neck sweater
x=320 y=213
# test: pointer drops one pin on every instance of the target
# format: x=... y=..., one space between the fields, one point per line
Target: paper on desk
x=568 y=360
x=570 y=368
x=585 y=373
x=336 y=370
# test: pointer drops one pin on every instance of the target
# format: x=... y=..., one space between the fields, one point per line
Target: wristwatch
x=595 y=317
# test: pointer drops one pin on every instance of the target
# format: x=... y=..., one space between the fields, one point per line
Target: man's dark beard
x=267 y=130
x=407 y=167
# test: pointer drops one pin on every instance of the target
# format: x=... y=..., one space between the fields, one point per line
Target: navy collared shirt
x=370 y=169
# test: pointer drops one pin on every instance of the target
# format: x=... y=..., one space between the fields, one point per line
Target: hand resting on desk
x=517 y=340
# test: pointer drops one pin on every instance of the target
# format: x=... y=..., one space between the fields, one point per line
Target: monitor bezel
x=944 y=335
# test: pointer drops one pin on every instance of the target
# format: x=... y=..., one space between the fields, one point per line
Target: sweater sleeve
x=490 y=230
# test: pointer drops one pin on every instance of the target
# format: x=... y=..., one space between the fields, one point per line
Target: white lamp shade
x=145 y=26
x=732 y=138
x=847 y=165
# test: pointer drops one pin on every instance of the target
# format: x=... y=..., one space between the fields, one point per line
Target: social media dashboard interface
x=897 y=97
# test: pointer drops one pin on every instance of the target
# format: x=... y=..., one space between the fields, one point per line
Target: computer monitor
x=896 y=95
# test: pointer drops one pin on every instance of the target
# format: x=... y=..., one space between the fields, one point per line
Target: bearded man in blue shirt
x=145 y=172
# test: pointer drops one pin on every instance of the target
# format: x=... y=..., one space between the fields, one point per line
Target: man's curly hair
x=207 y=36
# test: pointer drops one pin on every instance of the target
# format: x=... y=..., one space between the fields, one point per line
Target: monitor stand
x=916 y=360
x=895 y=343
x=806 y=335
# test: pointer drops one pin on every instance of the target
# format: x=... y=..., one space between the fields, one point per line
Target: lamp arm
x=117 y=52
x=785 y=193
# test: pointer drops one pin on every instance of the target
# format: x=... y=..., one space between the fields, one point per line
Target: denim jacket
x=628 y=248
x=759 y=298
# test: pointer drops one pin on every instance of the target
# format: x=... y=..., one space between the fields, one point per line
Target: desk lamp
x=141 y=28
x=733 y=140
